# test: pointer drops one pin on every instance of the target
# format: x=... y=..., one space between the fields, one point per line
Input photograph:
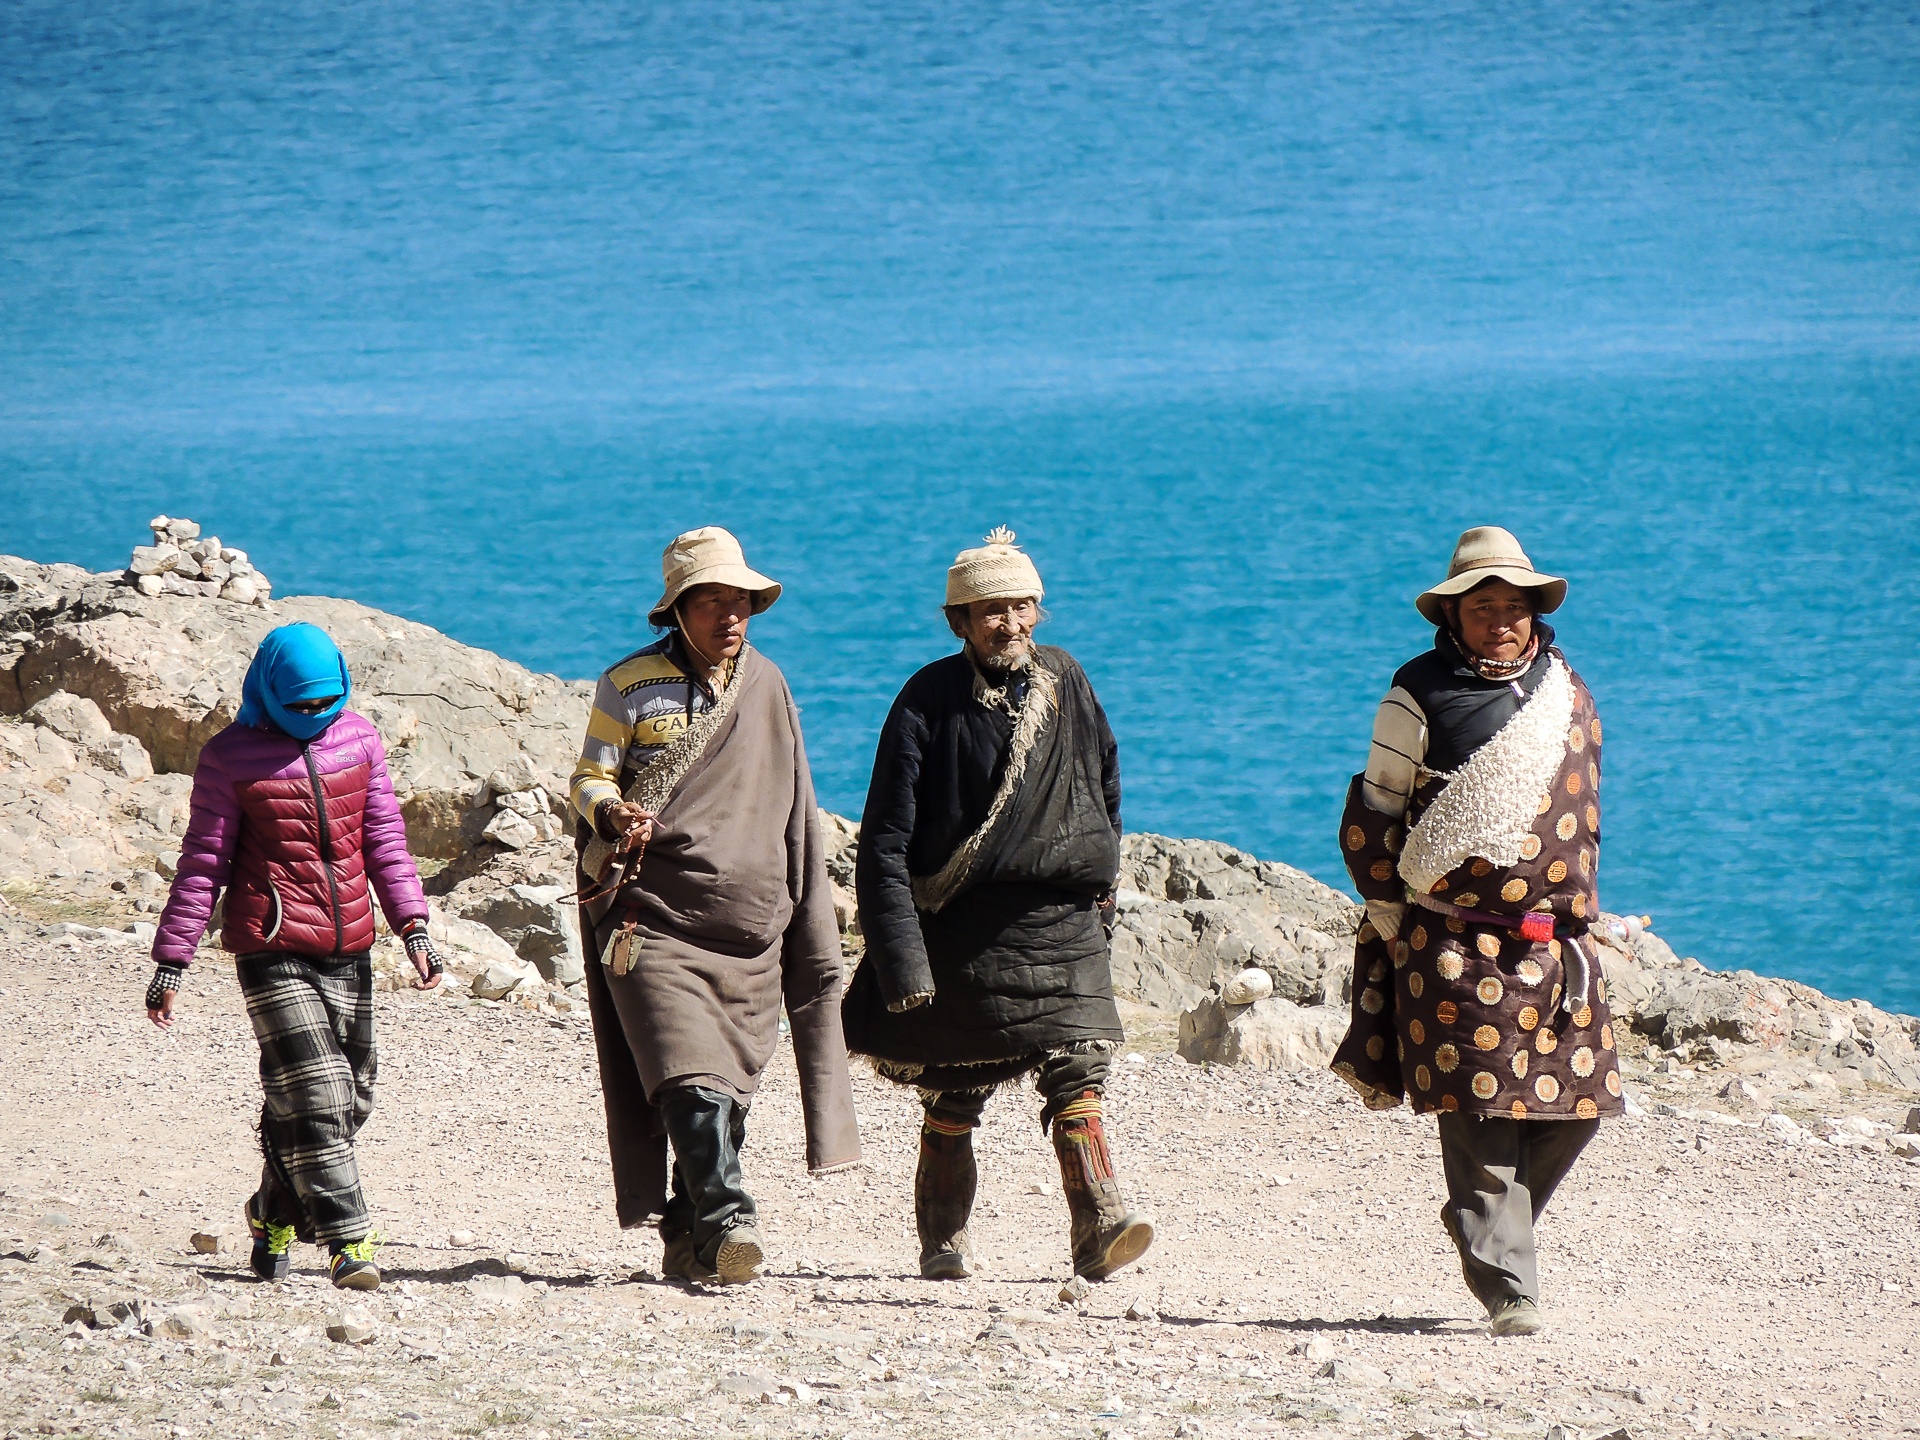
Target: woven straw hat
x=708 y=556
x=1487 y=552
x=997 y=570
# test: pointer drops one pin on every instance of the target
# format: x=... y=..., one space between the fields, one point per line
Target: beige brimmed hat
x=1487 y=552
x=997 y=570
x=708 y=556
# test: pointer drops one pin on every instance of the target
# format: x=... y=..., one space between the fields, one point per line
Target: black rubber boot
x=943 y=1189
x=1106 y=1235
x=710 y=1208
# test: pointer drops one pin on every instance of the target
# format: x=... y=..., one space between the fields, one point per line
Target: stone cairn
x=181 y=562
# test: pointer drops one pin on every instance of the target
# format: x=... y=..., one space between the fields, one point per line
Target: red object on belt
x=1535 y=925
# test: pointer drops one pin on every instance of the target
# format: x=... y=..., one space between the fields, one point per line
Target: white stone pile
x=183 y=562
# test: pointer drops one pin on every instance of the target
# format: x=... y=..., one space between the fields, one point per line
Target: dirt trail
x=1735 y=1284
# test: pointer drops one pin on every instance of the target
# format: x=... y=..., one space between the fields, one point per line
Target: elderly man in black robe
x=988 y=854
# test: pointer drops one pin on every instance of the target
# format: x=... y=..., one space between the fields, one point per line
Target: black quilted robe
x=1017 y=958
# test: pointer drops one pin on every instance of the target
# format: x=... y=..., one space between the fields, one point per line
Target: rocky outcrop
x=1193 y=913
x=480 y=748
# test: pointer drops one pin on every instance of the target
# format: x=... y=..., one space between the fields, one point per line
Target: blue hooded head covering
x=294 y=663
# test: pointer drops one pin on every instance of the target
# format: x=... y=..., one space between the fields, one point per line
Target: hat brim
x=1549 y=590
x=740 y=577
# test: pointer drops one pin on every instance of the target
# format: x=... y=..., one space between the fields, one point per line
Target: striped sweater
x=640 y=706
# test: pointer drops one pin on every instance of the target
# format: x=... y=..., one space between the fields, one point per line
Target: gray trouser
x=1500 y=1175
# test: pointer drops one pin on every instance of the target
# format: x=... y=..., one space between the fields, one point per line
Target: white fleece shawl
x=1490 y=804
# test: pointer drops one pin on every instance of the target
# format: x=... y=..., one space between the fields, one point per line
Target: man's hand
x=162 y=991
x=630 y=822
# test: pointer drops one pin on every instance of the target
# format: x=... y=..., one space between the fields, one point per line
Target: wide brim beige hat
x=996 y=570
x=1484 y=553
x=708 y=556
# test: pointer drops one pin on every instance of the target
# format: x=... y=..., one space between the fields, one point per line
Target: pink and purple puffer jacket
x=296 y=835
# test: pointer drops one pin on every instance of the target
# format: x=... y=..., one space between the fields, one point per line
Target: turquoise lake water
x=1237 y=313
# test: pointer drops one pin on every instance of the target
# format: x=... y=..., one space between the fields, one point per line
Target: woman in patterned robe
x=1474 y=838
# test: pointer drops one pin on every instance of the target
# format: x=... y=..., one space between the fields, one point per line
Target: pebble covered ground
x=1731 y=1282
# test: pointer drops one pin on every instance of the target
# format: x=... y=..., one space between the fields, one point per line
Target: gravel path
x=1301 y=1284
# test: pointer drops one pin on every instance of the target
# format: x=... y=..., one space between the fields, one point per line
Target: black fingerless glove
x=420 y=949
x=601 y=827
x=166 y=980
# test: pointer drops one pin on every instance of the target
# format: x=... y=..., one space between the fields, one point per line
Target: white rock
x=512 y=778
x=182 y=529
x=240 y=589
x=452 y=933
x=1317 y=1350
x=501 y=978
x=71 y=717
x=1248 y=986
x=1784 y=1129
x=460 y=1239
x=510 y=1289
x=1907 y=1147
x=233 y=557
x=148 y=584
x=1141 y=1310
x=511 y=829
x=187 y=1322
x=1270 y=1034
x=354 y=1325
x=154 y=559
x=123 y=755
x=530 y=803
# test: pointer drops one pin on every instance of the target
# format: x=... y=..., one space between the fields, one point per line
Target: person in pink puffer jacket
x=294 y=817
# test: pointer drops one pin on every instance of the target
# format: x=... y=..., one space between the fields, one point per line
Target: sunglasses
x=313 y=707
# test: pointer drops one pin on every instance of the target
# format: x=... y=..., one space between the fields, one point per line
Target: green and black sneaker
x=353 y=1267
x=271 y=1244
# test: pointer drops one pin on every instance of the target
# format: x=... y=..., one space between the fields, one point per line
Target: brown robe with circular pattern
x=1466 y=1017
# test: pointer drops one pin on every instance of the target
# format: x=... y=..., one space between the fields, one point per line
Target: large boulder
x=166 y=670
x=64 y=812
x=1194 y=913
x=1270 y=1034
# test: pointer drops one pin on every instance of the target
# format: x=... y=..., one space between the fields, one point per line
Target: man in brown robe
x=705 y=898
x=1474 y=838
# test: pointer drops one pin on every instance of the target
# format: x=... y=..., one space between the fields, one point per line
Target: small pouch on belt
x=622 y=949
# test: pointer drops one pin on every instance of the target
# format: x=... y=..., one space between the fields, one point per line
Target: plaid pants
x=313 y=1017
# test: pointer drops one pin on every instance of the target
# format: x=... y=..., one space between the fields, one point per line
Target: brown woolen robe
x=736 y=918
x=1458 y=1015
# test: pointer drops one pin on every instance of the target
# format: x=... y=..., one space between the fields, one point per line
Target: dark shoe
x=272 y=1245
x=352 y=1267
x=943 y=1191
x=1107 y=1236
x=740 y=1255
x=1518 y=1316
x=678 y=1261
